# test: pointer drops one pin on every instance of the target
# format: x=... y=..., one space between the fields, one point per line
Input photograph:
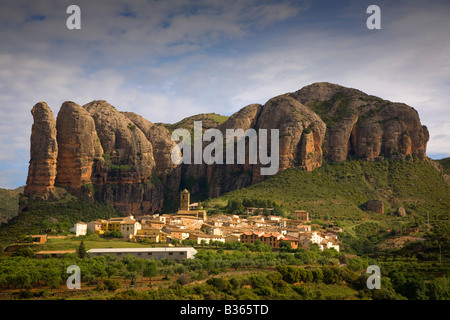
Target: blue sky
x=170 y=59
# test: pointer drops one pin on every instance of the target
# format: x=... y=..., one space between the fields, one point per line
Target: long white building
x=175 y=253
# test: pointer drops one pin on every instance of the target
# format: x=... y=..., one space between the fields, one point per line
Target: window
x=181 y=253
x=149 y=254
x=170 y=253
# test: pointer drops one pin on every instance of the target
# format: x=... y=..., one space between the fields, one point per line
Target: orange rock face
x=43 y=153
x=79 y=146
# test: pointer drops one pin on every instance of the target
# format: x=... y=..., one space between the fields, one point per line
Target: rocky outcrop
x=301 y=132
x=79 y=149
x=127 y=177
x=43 y=154
x=375 y=206
x=364 y=126
x=161 y=141
x=121 y=158
x=401 y=212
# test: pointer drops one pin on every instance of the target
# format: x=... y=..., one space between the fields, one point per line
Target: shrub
x=183 y=279
x=112 y=234
x=220 y=284
x=24 y=252
x=112 y=284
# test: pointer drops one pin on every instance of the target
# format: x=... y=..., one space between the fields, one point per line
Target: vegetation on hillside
x=209 y=120
x=445 y=163
x=342 y=190
x=9 y=203
x=53 y=217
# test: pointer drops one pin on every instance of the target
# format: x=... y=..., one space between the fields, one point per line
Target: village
x=191 y=223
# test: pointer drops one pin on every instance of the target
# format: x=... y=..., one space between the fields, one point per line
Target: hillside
x=340 y=191
x=445 y=164
x=9 y=203
x=53 y=217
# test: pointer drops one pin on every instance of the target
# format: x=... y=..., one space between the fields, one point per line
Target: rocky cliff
x=121 y=158
x=43 y=154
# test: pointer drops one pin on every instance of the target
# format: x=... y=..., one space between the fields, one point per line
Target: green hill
x=53 y=217
x=445 y=164
x=340 y=191
x=9 y=203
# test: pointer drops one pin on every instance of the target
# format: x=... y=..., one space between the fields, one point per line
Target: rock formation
x=43 y=153
x=375 y=206
x=121 y=158
x=401 y=212
x=364 y=126
x=78 y=148
x=162 y=143
x=126 y=178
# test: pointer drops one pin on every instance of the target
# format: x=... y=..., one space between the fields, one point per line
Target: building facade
x=173 y=253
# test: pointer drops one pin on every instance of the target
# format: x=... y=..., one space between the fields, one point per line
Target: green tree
x=112 y=284
x=81 y=250
x=414 y=287
x=23 y=252
x=132 y=275
x=111 y=270
x=150 y=270
x=235 y=206
x=317 y=275
x=439 y=289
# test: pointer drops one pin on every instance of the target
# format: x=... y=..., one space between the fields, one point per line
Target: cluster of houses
x=190 y=223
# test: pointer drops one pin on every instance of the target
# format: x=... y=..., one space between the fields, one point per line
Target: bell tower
x=184 y=200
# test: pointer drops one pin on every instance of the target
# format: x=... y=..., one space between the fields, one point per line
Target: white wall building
x=79 y=228
x=177 y=253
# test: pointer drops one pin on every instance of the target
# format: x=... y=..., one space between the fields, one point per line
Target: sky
x=169 y=59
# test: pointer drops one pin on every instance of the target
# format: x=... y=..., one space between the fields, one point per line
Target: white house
x=198 y=238
x=79 y=228
x=323 y=242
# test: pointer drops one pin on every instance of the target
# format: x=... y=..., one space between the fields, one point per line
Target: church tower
x=184 y=200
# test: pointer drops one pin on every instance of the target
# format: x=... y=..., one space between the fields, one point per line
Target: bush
x=183 y=279
x=112 y=234
x=24 y=252
x=220 y=284
x=112 y=284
